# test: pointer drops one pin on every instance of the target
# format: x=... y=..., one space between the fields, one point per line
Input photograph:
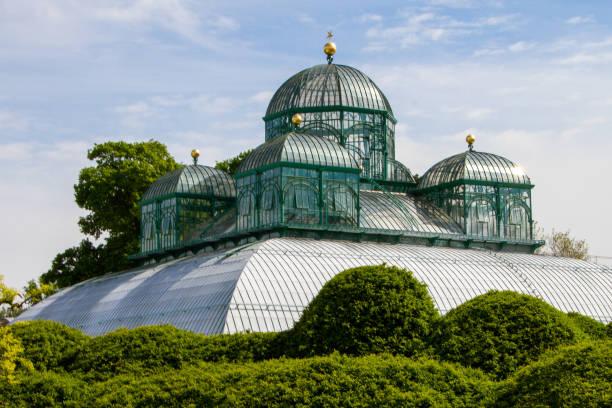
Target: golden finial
x=470 y=139
x=195 y=153
x=297 y=119
x=329 y=48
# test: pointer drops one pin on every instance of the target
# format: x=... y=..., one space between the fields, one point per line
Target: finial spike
x=329 y=48
x=195 y=153
x=470 y=139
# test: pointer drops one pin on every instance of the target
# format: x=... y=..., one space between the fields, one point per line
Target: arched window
x=340 y=205
x=301 y=204
x=270 y=206
x=481 y=219
x=247 y=216
x=517 y=222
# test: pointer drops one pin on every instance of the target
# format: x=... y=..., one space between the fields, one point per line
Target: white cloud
x=429 y=27
x=13 y=121
x=579 y=20
x=367 y=18
x=262 y=97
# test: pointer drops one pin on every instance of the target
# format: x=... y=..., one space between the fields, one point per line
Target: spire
x=329 y=48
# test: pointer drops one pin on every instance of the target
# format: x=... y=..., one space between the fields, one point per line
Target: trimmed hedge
x=152 y=347
x=574 y=376
x=369 y=309
x=501 y=331
x=589 y=326
x=47 y=344
x=334 y=380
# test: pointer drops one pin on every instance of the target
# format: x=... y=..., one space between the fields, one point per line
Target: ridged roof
x=328 y=85
x=265 y=286
x=302 y=148
x=474 y=166
x=194 y=179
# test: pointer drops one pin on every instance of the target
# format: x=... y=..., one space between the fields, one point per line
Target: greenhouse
x=324 y=192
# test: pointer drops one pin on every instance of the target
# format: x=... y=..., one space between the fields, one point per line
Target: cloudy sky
x=532 y=80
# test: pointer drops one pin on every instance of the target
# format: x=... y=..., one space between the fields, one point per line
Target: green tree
x=110 y=191
x=231 y=165
x=13 y=302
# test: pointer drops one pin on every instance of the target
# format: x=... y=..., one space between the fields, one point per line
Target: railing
x=600 y=260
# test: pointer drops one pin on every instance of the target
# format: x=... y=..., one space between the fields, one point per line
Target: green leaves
x=501 y=331
x=370 y=309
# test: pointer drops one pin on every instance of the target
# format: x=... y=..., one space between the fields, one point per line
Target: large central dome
x=328 y=86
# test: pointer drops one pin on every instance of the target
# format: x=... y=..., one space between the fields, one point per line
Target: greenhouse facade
x=324 y=192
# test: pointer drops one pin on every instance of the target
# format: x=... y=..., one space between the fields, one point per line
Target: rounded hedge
x=589 y=326
x=151 y=347
x=501 y=331
x=573 y=376
x=48 y=344
x=369 y=309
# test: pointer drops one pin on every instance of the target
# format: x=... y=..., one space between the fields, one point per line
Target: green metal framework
x=297 y=178
x=488 y=195
x=176 y=207
x=342 y=104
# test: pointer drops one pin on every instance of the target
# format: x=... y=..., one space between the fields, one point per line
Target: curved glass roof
x=265 y=286
x=328 y=85
x=193 y=179
x=474 y=166
x=299 y=147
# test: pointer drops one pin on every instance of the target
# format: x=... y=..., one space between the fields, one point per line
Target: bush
x=320 y=381
x=589 y=326
x=574 y=376
x=48 y=345
x=152 y=347
x=370 y=309
x=45 y=389
x=501 y=331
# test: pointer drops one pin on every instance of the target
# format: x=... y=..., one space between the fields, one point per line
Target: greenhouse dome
x=328 y=85
x=193 y=179
x=474 y=166
x=299 y=148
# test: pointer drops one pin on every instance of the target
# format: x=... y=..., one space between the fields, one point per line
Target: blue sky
x=531 y=79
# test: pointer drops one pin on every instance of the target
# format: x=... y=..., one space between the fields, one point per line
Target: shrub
x=45 y=389
x=369 y=309
x=11 y=355
x=501 y=331
x=574 y=376
x=48 y=345
x=319 y=381
x=589 y=326
x=153 y=347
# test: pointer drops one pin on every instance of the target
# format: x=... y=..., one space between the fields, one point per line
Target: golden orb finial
x=470 y=139
x=195 y=153
x=297 y=119
x=329 y=48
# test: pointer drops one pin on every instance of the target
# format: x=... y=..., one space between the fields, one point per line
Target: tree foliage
x=110 y=191
x=231 y=165
x=13 y=302
x=10 y=353
x=370 y=309
x=501 y=331
x=563 y=244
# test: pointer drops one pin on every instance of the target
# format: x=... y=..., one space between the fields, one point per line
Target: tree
x=231 y=165
x=13 y=302
x=110 y=191
x=562 y=244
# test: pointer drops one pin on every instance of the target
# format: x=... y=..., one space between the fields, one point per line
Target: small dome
x=193 y=179
x=302 y=148
x=474 y=166
x=328 y=85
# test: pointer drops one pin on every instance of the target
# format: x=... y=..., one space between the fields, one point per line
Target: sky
x=531 y=79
